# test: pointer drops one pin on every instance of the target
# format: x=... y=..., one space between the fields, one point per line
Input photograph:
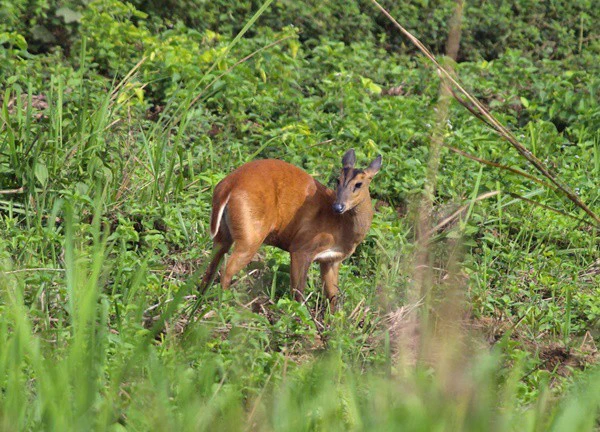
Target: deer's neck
x=360 y=219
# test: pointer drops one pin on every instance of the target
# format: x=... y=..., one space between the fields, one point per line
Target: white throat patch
x=329 y=254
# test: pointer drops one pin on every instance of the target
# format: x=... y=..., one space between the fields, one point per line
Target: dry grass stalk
x=497 y=165
x=435 y=334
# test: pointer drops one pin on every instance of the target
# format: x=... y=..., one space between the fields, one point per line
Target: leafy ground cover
x=118 y=120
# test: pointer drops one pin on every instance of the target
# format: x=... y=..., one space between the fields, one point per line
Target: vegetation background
x=117 y=120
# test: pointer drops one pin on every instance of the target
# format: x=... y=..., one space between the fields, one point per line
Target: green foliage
x=557 y=29
x=45 y=24
x=311 y=17
x=114 y=132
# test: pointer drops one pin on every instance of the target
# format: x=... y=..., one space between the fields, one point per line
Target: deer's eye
x=357 y=186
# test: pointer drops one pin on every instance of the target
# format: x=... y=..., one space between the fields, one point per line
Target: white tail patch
x=219 y=217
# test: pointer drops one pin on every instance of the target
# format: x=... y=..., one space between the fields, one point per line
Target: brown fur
x=276 y=203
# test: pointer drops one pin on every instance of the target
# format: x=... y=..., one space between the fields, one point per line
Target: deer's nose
x=338 y=208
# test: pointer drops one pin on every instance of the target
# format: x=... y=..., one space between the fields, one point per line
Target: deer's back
x=274 y=193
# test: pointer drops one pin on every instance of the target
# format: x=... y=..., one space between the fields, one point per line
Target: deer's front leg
x=329 y=276
x=299 y=264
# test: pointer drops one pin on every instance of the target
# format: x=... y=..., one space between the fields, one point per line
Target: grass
x=104 y=222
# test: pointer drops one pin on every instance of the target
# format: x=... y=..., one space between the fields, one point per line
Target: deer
x=276 y=203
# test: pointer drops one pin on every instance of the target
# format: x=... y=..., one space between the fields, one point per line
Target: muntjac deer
x=276 y=203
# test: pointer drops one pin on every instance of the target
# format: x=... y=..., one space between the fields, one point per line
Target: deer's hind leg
x=219 y=251
x=247 y=237
x=221 y=244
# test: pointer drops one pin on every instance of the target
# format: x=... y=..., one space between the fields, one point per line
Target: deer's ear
x=374 y=167
x=349 y=159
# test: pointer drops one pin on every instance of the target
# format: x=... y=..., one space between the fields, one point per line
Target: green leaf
x=42 y=34
x=294 y=46
x=41 y=173
x=374 y=88
x=68 y=15
x=13 y=38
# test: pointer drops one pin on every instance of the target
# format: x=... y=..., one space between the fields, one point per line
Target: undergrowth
x=114 y=132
